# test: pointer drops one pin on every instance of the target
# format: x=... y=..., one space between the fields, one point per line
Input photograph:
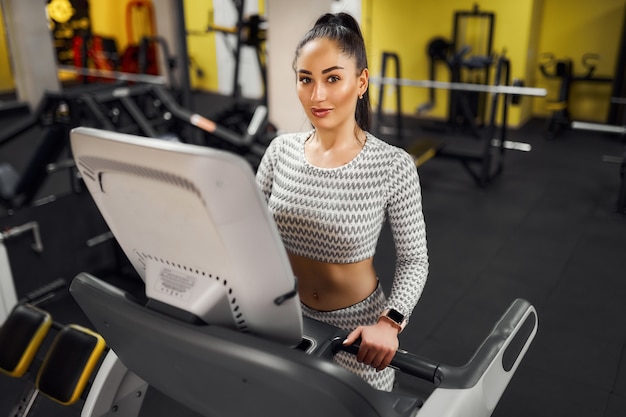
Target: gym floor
x=546 y=230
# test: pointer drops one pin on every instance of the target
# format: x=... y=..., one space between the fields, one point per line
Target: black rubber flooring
x=545 y=230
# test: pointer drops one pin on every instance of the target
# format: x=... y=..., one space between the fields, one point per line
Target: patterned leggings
x=363 y=313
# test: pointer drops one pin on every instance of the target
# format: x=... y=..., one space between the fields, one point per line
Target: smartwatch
x=395 y=317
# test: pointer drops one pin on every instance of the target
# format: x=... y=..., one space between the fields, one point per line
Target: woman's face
x=328 y=85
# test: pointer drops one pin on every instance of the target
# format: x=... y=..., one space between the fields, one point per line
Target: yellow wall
x=570 y=28
x=525 y=28
x=109 y=19
x=6 y=76
x=406 y=27
x=201 y=48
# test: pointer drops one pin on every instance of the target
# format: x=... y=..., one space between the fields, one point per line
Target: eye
x=304 y=80
x=333 y=78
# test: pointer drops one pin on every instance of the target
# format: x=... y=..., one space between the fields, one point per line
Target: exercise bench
x=67 y=366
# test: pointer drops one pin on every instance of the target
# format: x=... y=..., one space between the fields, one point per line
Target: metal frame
x=488 y=156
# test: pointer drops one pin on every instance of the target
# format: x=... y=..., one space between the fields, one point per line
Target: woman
x=330 y=191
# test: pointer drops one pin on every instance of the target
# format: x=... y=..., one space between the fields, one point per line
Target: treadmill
x=219 y=330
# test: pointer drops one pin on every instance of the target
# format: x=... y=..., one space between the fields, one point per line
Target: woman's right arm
x=265 y=171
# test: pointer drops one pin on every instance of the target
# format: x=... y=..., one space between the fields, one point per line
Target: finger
x=385 y=362
x=371 y=357
x=352 y=337
x=378 y=363
x=382 y=361
x=362 y=354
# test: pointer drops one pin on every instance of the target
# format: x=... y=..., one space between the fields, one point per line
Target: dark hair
x=344 y=30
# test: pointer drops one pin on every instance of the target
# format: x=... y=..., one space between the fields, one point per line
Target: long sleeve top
x=335 y=215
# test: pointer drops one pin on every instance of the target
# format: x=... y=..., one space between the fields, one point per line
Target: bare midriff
x=325 y=286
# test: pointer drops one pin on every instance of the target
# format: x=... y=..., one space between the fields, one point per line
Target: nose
x=319 y=93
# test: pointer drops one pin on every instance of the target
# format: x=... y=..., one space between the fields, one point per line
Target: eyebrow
x=327 y=70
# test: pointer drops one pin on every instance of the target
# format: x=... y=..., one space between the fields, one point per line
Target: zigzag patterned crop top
x=335 y=215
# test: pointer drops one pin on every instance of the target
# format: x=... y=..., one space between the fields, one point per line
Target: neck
x=330 y=138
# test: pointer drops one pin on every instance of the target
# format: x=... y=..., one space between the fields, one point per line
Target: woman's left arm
x=409 y=234
x=379 y=342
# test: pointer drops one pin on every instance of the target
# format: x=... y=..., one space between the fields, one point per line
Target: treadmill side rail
x=476 y=388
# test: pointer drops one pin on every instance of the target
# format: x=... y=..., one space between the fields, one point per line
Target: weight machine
x=469 y=58
x=146 y=109
x=563 y=71
x=483 y=159
x=248 y=31
x=52 y=118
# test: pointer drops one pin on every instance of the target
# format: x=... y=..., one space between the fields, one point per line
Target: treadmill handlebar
x=510 y=335
x=404 y=361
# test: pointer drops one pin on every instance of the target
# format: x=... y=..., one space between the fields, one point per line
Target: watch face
x=395 y=315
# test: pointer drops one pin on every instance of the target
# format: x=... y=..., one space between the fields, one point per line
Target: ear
x=363 y=81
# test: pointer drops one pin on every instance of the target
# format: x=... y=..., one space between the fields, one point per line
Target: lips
x=320 y=112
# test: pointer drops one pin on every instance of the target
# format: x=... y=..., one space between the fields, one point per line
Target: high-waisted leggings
x=363 y=313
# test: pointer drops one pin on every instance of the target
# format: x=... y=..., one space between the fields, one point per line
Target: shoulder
x=393 y=156
x=285 y=147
